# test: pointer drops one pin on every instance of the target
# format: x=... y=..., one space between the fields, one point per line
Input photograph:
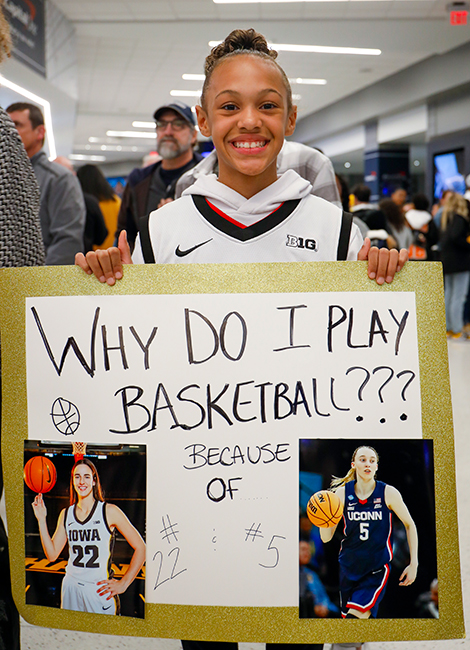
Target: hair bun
x=247 y=40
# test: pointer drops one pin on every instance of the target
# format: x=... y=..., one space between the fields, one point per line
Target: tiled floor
x=34 y=638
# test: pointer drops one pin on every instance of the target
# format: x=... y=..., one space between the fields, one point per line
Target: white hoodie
x=248 y=211
x=213 y=223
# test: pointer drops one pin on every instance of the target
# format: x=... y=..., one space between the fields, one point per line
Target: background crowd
x=439 y=232
x=79 y=211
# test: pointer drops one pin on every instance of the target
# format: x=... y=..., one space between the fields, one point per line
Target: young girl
x=88 y=526
x=247 y=213
x=366 y=548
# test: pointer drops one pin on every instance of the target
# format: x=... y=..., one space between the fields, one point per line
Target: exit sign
x=458 y=17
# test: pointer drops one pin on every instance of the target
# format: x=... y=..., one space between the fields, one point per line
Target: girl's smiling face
x=247 y=115
x=365 y=463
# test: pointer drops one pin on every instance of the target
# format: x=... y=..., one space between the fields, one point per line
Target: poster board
x=332 y=321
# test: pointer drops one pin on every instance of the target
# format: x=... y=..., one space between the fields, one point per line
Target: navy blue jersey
x=367 y=542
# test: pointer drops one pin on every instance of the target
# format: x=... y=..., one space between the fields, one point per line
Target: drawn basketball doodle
x=65 y=416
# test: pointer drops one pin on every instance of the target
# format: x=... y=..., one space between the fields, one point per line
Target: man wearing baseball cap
x=151 y=187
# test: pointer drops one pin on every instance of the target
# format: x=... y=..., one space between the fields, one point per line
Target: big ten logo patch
x=299 y=242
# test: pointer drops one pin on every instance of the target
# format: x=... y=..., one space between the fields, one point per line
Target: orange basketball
x=40 y=474
x=324 y=509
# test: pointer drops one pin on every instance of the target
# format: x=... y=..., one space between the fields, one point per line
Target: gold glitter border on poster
x=244 y=624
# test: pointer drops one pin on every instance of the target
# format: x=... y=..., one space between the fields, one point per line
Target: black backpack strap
x=344 y=235
x=146 y=244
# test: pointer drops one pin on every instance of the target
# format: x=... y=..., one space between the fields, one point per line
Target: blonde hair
x=242 y=41
x=455 y=204
x=337 y=482
x=5 y=37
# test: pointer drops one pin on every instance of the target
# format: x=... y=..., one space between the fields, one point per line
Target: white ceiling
x=131 y=54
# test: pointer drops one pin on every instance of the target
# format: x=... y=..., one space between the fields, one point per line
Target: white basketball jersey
x=197 y=229
x=90 y=544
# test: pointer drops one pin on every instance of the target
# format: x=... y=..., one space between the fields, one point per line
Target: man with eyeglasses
x=151 y=187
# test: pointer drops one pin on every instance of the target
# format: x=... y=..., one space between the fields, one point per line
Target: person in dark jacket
x=95 y=231
x=149 y=188
x=95 y=183
x=455 y=256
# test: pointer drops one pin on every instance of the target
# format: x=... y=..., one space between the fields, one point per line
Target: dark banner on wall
x=27 y=24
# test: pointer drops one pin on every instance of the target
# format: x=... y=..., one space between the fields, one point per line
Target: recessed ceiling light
x=232 y=2
x=416 y=163
x=194 y=77
x=109 y=147
x=131 y=134
x=185 y=93
x=325 y=49
x=81 y=156
x=347 y=165
x=319 y=49
x=223 y=2
x=143 y=125
x=312 y=82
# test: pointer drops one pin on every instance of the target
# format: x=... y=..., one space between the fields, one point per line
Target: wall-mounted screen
x=448 y=175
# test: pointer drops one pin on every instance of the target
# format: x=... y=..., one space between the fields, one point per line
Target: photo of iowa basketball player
x=86 y=529
x=372 y=509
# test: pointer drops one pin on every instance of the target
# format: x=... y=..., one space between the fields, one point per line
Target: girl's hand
x=408 y=576
x=39 y=508
x=383 y=263
x=106 y=264
x=111 y=587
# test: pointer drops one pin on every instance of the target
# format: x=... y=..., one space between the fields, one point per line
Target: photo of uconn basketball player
x=368 y=561
x=366 y=546
x=88 y=526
